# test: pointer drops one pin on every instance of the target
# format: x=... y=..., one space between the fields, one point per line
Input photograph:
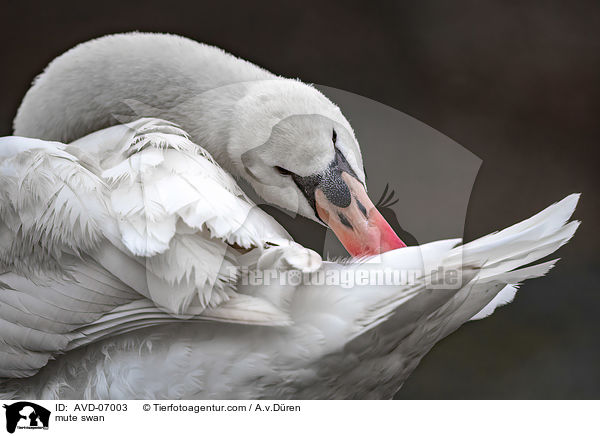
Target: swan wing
x=51 y=209
x=491 y=268
x=129 y=227
x=178 y=215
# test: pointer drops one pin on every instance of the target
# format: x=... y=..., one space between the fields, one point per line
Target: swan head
x=298 y=151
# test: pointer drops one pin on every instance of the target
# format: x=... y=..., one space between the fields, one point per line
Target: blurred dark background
x=515 y=82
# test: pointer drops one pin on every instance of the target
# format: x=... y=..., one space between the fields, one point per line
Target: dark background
x=517 y=83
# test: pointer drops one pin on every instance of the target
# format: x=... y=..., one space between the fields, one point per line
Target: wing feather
x=127 y=228
x=178 y=210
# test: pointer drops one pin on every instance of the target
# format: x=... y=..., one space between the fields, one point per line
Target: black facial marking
x=308 y=186
x=334 y=188
x=329 y=181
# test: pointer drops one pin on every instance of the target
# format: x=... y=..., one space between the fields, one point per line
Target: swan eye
x=334 y=137
x=283 y=171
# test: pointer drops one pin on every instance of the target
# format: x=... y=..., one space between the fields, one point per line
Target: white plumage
x=127 y=256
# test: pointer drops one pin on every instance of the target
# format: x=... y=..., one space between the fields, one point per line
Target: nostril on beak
x=362 y=208
x=344 y=220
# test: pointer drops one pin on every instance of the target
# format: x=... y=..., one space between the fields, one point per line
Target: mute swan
x=133 y=252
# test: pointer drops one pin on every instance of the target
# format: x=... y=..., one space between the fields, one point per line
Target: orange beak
x=360 y=227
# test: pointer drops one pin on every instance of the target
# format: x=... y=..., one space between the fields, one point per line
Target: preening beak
x=359 y=226
x=341 y=202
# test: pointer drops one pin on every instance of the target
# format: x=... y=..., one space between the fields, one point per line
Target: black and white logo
x=26 y=415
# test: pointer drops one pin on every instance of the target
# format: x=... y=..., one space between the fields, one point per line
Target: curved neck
x=115 y=79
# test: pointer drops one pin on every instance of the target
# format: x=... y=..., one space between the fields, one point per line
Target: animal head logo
x=384 y=206
x=26 y=415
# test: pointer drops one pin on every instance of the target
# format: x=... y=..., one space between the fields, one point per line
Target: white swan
x=133 y=252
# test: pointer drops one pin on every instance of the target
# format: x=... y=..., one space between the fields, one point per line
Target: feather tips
x=51 y=204
x=178 y=209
